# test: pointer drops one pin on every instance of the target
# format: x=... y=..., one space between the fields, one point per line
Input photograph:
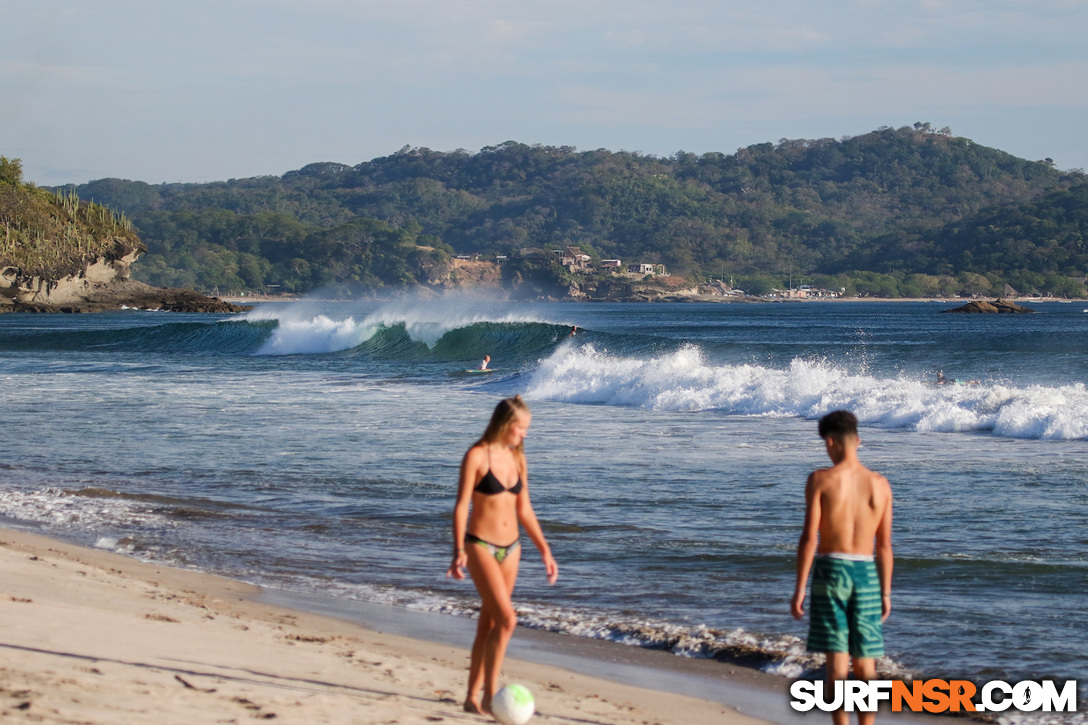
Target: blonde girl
x=494 y=487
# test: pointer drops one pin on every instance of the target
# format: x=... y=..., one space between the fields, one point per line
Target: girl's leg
x=476 y=668
x=495 y=583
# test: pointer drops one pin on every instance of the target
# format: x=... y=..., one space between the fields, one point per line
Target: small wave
x=89 y=510
x=684 y=381
x=429 y=323
x=411 y=330
x=223 y=337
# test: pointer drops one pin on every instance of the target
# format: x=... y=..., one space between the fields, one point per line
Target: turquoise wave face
x=508 y=341
x=319 y=335
x=140 y=335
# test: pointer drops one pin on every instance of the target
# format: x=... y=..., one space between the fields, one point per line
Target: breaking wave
x=684 y=380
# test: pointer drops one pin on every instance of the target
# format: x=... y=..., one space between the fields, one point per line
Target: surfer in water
x=484 y=362
x=494 y=486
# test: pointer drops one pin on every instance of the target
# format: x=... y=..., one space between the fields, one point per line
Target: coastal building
x=645 y=268
x=572 y=257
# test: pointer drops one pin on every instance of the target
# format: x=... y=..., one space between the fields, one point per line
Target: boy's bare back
x=852 y=501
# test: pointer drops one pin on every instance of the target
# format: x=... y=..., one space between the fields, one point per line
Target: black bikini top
x=489 y=485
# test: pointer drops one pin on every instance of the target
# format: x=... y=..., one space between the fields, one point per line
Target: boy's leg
x=865 y=669
x=838 y=668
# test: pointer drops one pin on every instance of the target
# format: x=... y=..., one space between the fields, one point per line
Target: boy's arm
x=884 y=557
x=806 y=547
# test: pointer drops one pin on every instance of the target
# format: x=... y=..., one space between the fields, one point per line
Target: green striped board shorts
x=845 y=608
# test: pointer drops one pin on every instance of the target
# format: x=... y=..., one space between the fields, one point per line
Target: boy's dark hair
x=838 y=424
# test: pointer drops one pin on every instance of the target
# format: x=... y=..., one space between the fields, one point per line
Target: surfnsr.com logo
x=935 y=696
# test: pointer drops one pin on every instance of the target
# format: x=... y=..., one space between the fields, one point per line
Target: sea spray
x=320 y=334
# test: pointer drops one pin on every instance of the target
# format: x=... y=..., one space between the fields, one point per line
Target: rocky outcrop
x=101 y=285
x=21 y=288
x=983 y=307
x=464 y=273
x=130 y=294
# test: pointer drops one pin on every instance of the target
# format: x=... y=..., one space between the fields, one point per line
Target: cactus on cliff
x=55 y=235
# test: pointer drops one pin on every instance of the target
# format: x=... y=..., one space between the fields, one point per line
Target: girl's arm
x=527 y=518
x=466 y=482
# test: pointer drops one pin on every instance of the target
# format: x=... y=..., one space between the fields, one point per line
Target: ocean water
x=314 y=447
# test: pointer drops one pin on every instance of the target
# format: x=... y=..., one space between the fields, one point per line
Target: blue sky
x=196 y=90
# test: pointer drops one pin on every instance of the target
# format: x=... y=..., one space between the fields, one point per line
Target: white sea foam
x=320 y=334
x=61 y=509
x=684 y=381
x=780 y=654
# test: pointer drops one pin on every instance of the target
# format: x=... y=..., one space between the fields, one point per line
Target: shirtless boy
x=847 y=508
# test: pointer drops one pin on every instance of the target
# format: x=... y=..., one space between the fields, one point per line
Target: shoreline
x=95 y=637
x=92 y=636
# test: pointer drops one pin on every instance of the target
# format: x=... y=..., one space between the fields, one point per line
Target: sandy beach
x=94 y=637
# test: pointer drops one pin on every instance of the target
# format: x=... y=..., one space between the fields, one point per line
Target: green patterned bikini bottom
x=499 y=552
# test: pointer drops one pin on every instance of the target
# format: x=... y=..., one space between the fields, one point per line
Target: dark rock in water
x=997 y=306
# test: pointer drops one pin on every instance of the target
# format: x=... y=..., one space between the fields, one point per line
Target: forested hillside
x=895 y=211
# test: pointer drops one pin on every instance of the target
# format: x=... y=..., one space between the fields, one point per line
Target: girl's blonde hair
x=505 y=413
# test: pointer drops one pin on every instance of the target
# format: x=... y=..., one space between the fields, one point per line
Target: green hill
x=895 y=211
x=1037 y=245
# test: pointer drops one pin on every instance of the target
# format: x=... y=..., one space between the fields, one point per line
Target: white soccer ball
x=513 y=705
